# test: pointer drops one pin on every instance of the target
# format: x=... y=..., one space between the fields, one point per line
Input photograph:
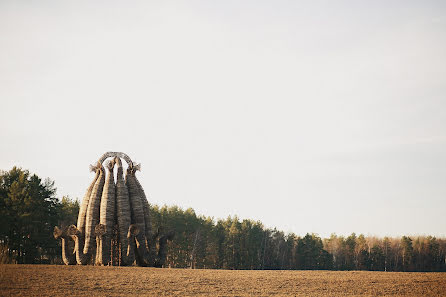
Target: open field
x=46 y=280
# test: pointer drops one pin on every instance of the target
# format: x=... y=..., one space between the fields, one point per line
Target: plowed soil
x=50 y=280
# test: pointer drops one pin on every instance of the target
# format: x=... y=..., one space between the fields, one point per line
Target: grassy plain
x=50 y=280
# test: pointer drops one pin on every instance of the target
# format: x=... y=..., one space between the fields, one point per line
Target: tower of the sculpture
x=113 y=226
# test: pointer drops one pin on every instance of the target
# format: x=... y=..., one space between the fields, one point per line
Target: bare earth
x=50 y=280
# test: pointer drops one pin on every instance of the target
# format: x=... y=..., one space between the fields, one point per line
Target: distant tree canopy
x=29 y=211
x=201 y=242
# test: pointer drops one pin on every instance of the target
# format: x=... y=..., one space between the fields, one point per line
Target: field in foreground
x=46 y=280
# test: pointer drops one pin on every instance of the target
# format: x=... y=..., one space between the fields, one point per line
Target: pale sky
x=310 y=116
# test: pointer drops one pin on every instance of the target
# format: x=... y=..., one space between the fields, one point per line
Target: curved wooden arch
x=121 y=155
x=116 y=154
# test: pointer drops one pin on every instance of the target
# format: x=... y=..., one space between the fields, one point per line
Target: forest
x=29 y=210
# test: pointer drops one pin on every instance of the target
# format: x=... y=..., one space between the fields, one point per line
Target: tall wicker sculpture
x=113 y=226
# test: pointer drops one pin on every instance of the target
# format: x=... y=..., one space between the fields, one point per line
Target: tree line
x=29 y=210
x=201 y=242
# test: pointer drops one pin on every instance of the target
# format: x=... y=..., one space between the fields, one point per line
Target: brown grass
x=46 y=280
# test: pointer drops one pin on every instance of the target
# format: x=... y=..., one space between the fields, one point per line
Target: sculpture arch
x=115 y=154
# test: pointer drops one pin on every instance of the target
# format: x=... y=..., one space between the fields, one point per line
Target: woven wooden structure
x=113 y=226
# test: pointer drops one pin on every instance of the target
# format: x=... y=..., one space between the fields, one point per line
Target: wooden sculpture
x=113 y=226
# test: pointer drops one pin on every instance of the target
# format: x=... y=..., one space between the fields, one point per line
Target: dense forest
x=232 y=243
x=29 y=210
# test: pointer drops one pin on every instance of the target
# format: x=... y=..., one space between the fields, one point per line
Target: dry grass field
x=46 y=280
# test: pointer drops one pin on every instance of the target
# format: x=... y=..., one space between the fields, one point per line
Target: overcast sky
x=311 y=116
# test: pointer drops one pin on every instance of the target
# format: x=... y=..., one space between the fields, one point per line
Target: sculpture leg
x=101 y=244
x=68 y=256
x=128 y=251
x=162 y=253
x=75 y=234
